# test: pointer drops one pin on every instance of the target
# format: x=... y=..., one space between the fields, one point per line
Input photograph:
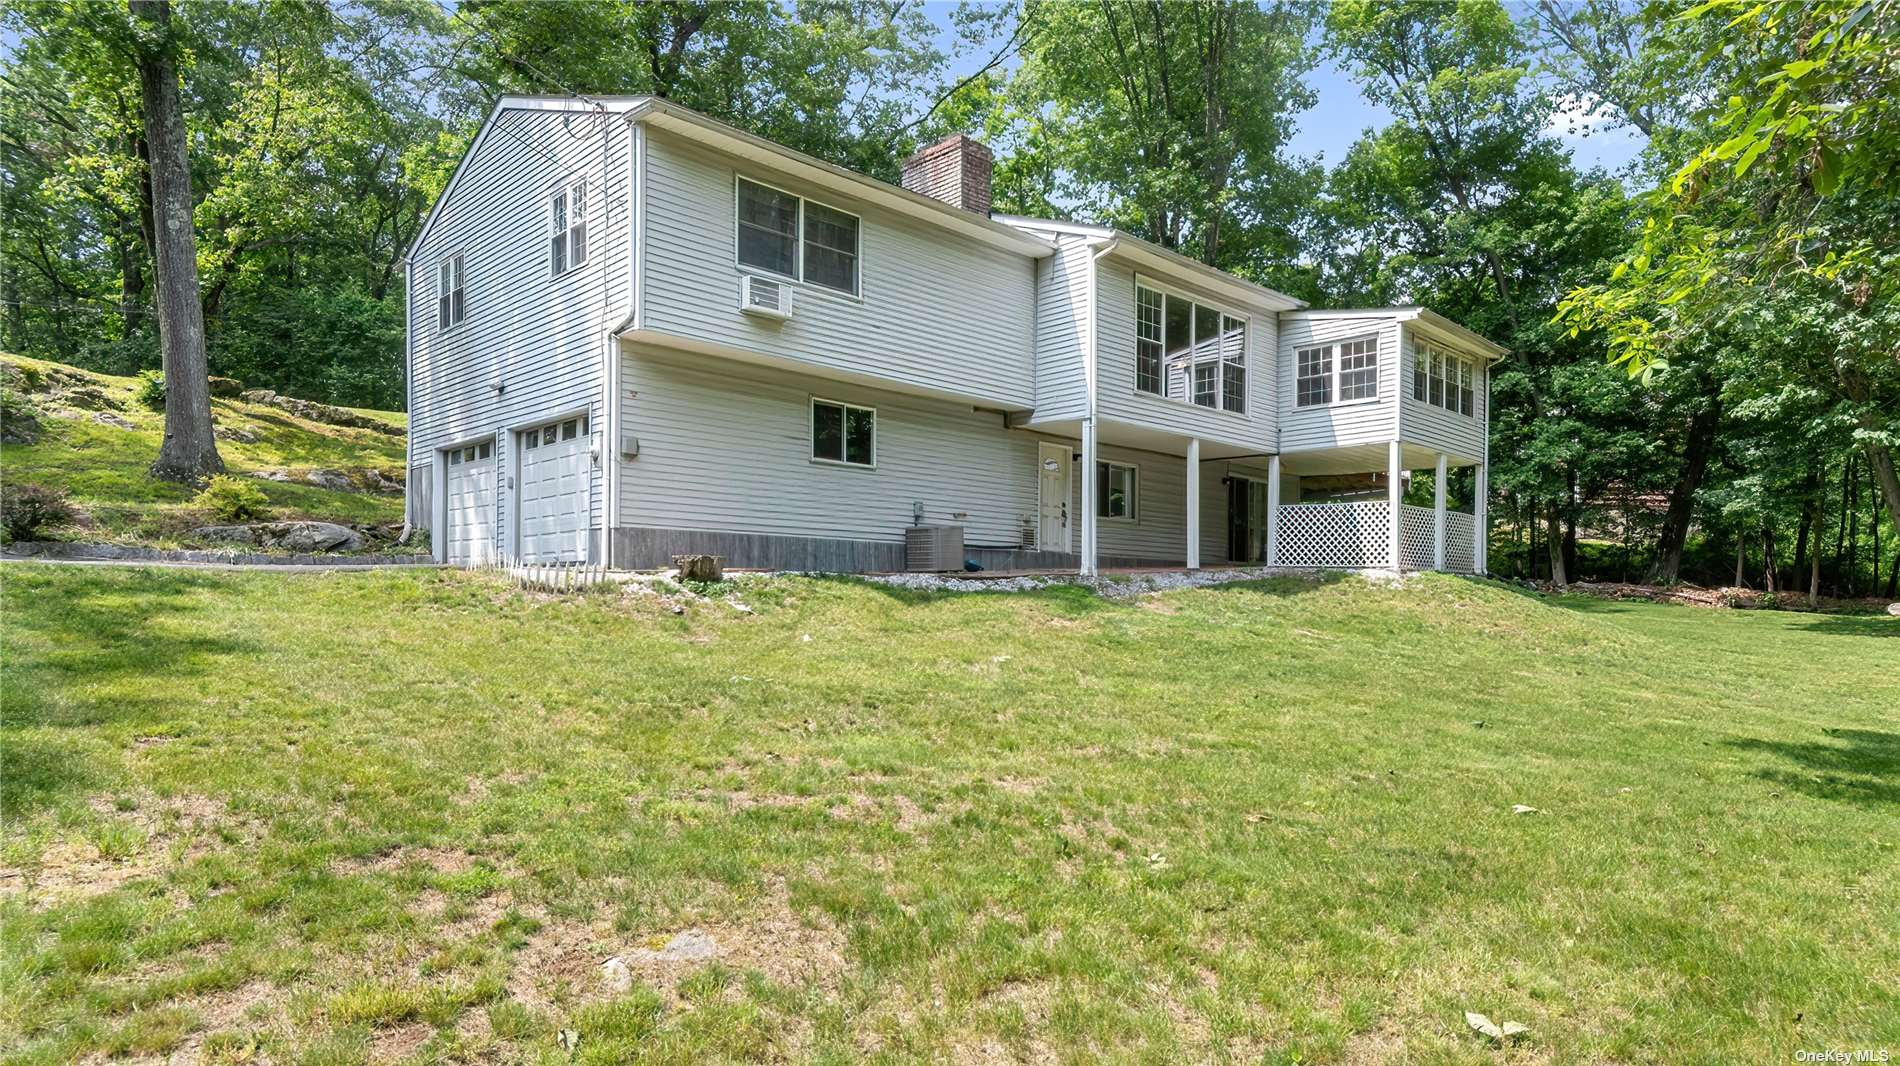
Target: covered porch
x=1383 y=531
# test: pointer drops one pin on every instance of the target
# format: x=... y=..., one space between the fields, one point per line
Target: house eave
x=702 y=129
x=1164 y=260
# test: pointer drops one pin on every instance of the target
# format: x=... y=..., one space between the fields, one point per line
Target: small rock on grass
x=1519 y=808
x=1498 y=1033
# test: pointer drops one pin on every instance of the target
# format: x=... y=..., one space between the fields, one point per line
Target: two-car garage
x=548 y=497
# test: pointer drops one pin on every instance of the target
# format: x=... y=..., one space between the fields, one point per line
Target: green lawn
x=358 y=817
x=104 y=466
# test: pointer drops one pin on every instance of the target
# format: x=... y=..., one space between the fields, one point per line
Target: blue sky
x=1343 y=113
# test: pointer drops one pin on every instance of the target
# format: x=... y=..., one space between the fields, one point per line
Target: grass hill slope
x=418 y=816
x=94 y=441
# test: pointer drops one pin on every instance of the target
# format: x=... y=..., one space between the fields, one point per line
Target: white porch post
x=1395 y=496
x=1273 y=511
x=1194 y=503
x=1481 y=519
x=1089 y=505
x=1438 y=515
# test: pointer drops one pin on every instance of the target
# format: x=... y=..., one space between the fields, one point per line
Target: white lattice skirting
x=1461 y=543
x=1355 y=536
x=1324 y=535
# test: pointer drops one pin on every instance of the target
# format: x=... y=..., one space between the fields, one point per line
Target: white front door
x=1055 y=465
x=469 y=503
x=551 y=511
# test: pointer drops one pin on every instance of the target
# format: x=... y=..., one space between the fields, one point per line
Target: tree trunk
x=1741 y=558
x=1880 y=463
x=1809 y=523
x=189 y=451
x=1893 y=577
x=1695 y=462
x=1814 y=576
x=1554 y=542
x=1768 y=574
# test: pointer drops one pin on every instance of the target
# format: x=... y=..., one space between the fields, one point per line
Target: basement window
x=843 y=433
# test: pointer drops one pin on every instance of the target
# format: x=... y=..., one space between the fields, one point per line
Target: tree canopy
x=1703 y=342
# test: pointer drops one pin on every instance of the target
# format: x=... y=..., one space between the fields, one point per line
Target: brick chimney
x=955 y=170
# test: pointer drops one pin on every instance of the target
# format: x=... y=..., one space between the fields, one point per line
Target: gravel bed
x=1114 y=586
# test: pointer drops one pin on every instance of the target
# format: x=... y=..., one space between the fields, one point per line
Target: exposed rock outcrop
x=320 y=412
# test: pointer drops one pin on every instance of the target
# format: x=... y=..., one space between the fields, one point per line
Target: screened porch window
x=1445 y=380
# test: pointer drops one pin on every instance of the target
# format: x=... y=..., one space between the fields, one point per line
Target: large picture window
x=783 y=234
x=1115 y=490
x=1189 y=351
x=567 y=246
x=843 y=433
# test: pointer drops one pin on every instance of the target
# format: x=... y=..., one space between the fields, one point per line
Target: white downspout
x=636 y=210
x=1089 y=503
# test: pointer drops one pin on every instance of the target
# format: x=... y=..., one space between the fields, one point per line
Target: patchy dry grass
x=410 y=816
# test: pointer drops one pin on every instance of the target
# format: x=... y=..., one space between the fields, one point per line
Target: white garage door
x=553 y=513
x=470 y=526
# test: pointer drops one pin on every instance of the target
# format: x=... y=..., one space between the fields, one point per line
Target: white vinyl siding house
x=635 y=332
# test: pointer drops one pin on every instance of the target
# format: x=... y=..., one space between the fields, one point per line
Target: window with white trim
x=1340 y=372
x=1189 y=351
x=1115 y=490
x=843 y=433
x=804 y=240
x=1313 y=381
x=1445 y=380
x=567 y=217
x=451 y=301
x=1359 y=369
x=1148 y=340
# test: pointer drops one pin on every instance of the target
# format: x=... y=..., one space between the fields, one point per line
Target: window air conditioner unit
x=765 y=297
x=933 y=548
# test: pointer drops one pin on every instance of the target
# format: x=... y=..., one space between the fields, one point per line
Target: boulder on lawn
x=89 y=398
x=334 y=480
x=107 y=418
x=238 y=534
x=1894 y=609
x=314 y=536
x=18 y=425
x=226 y=388
x=290 y=536
x=700 y=567
x=241 y=434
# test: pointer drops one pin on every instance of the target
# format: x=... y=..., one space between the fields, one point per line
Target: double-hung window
x=783 y=234
x=1189 y=351
x=1313 y=381
x=1359 y=369
x=1444 y=380
x=1343 y=371
x=1115 y=490
x=843 y=433
x=451 y=302
x=567 y=214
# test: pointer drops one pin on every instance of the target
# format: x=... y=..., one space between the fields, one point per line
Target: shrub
x=150 y=391
x=233 y=499
x=27 y=509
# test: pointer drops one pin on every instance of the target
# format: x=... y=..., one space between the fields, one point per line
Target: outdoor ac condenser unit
x=930 y=548
x=765 y=297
